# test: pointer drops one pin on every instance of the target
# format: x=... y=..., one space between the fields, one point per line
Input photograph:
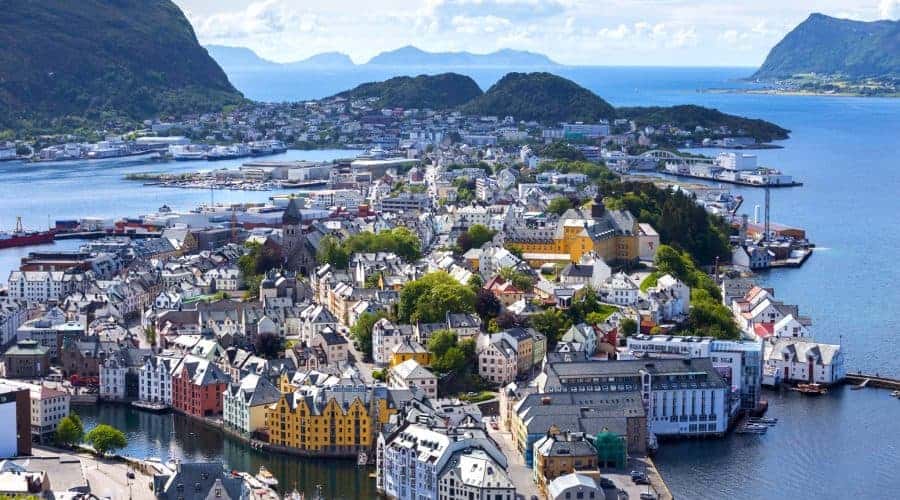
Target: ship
x=190 y=152
x=265 y=148
x=22 y=238
x=228 y=152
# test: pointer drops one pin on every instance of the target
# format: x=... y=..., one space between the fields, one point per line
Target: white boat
x=266 y=477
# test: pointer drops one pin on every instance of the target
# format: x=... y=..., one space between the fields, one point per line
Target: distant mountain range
x=830 y=46
x=241 y=58
x=545 y=98
x=68 y=63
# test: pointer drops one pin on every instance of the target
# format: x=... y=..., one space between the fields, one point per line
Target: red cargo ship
x=22 y=238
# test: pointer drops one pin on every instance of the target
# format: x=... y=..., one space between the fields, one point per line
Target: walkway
x=107 y=478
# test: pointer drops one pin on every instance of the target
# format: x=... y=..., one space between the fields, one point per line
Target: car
x=636 y=473
x=641 y=480
x=647 y=496
x=130 y=474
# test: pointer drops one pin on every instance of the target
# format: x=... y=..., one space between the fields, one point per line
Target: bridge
x=863 y=380
x=668 y=156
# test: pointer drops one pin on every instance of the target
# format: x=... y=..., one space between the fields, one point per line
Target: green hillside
x=443 y=91
x=542 y=97
x=831 y=46
x=68 y=62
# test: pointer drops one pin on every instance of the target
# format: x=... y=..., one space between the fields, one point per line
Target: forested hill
x=63 y=62
x=831 y=46
x=542 y=97
x=443 y=91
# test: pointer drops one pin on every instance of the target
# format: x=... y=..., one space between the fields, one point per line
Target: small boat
x=763 y=420
x=896 y=394
x=812 y=389
x=266 y=477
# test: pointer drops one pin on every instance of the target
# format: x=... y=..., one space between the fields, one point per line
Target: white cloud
x=889 y=9
x=483 y=24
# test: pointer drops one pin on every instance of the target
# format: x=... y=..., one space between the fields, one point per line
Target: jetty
x=862 y=380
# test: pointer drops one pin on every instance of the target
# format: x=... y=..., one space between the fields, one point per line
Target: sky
x=583 y=32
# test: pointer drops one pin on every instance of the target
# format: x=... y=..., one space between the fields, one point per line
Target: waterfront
x=837 y=445
x=169 y=435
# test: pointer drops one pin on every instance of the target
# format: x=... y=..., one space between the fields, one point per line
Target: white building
x=736 y=161
x=46 y=330
x=12 y=315
x=48 y=408
x=112 y=378
x=315 y=319
x=410 y=373
x=417 y=462
x=225 y=279
x=789 y=360
x=38 y=286
x=244 y=404
x=583 y=334
x=155 y=379
x=648 y=242
x=498 y=361
x=386 y=335
x=739 y=362
x=619 y=289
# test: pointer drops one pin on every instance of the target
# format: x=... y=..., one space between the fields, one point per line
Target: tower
x=290 y=228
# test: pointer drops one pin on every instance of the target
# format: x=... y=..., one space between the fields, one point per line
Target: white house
x=751 y=257
x=788 y=360
x=583 y=334
x=410 y=373
x=155 y=379
x=244 y=404
x=498 y=361
x=386 y=335
x=112 y=378
x=12 y=315
x=620 y=289
x=314 y=319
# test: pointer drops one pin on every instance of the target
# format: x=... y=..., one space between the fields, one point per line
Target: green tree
x=553 y=323
x=627 y=327
x=332 y=252
x=515 y=250
x=106 y=439
x=361 y=331
x=519 y=279
x=440 y=342
x=559 y=205
x=429 y=298
x=70 y=430
x=478 y=235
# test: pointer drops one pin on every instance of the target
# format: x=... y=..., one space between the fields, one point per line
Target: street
x=107 y=478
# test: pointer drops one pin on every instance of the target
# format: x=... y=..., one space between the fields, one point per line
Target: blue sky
x=597 y=32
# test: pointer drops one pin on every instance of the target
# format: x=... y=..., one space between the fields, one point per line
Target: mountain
x=232 y=58
x=542 y=97
x=415 y=57
x=689 y=117
x=443 y=91
x=827 y=45
x=78 y=62
x=325 y=60
x=244 y=59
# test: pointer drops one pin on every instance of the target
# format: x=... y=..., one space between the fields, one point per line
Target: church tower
x=290 y=227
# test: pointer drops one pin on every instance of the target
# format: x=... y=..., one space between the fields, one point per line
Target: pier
x=863 y=380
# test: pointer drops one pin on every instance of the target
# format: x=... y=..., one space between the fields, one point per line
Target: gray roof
x=198 y=481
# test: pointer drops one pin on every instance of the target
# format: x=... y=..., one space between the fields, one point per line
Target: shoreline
x=797 y=93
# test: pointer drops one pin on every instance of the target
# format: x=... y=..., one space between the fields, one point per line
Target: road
x=106 y=478
x=521 y=475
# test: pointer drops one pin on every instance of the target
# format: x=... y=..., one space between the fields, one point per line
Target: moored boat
x=811 y=389
x=22 y=238
x=266 y=477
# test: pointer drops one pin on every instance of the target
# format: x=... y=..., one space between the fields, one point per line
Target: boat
x=266 y=477
x=22 y=238
x=763 y=420
x=896 y=394
x=189 y=152
x=228 y=152
x=812 y=389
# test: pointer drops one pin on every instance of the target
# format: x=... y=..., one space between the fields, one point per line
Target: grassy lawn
x=649 y=281
x=478 y=397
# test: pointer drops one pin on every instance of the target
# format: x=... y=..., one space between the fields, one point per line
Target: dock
x=862 y=380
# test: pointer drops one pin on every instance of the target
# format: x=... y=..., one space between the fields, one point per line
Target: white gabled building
x=798 y=360
x=155 y=379
x=385 y=336
x=620 y=289
x=12 y=315
x=418 y=462
x=411 y=374
x=244 y=404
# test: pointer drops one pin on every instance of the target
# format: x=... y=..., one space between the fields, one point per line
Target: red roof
x=764 y=330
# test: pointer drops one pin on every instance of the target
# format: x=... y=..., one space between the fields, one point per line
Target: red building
x=197 y=387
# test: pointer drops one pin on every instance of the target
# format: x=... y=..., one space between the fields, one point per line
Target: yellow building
x=337 y=421
x=611 y=234
x=409 y=349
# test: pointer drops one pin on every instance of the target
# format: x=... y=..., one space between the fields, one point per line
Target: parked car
x=648 y=496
